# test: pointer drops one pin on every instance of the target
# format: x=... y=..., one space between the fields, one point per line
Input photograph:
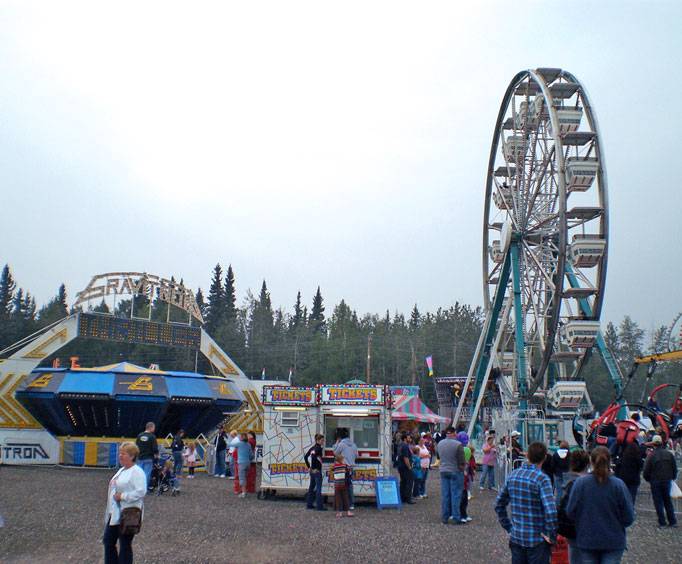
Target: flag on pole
x=262 y=374
x=291 y=371
x=429 y=364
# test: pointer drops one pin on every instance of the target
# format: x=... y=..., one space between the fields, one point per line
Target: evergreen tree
x=230 y=296
x=57 y=309
x=216 y=301
x=317 y=322
x=659 y=340
x=415 y=319
x=611 y=339
x=201 y=304
x=7 y=287
x=631 y=339
x=298 y=319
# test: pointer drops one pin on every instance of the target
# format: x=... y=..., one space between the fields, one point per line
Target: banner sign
x=288 y=468
x=287 y=395
x=405 y=390
x=28 y=447
x=352 y=395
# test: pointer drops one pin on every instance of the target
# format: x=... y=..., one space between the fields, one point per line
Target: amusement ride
x=545 y=253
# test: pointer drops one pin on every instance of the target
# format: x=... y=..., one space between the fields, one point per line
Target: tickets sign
x=288 y=395
x=352 y=395
x=288 y=468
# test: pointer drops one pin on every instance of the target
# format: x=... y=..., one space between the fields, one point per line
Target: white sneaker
x=468 y=519
x=242 y=494
x=231 y=477
x=222 y=476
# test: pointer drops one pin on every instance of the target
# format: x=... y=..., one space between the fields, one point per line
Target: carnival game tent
x=410 y=407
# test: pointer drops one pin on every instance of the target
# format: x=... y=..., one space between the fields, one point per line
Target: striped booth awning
x=412 y=408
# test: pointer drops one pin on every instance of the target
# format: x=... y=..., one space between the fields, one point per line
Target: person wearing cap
x=660 y=470
x=516 y=448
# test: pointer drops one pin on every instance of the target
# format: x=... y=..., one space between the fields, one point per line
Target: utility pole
x=369 y=358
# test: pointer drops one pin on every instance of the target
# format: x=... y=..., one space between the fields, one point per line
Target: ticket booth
x=294 y=415
x=363 y=411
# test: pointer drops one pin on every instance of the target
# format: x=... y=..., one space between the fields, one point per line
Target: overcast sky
x=310 y=144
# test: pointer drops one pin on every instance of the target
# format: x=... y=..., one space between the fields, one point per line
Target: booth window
x=364 y=431
x=289 y=419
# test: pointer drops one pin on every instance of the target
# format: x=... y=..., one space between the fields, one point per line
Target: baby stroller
x=155 y=477
x=167 y=480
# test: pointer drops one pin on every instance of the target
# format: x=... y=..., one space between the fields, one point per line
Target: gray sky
x=312 y=144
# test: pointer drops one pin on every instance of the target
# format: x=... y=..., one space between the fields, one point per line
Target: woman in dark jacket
x=601 y=507
x=629 y=468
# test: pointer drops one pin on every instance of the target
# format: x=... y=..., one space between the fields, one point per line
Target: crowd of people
x=143 y=470
x=588 y=499
x=584 y=499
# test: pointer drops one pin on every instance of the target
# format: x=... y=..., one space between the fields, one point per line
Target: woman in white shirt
x=126 y=489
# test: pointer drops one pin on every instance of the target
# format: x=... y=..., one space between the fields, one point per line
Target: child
x=340 y=474
x=190 y=459
x=167 y=480
x=469 y=472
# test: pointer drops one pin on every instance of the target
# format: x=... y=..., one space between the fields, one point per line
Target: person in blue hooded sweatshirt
x=601 y=507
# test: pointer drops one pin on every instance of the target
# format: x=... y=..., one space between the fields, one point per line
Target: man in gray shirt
x=452 y=464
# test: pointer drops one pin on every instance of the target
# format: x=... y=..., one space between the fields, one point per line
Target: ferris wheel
x=545 y=238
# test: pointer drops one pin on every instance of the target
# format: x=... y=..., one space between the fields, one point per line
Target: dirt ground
x=55 y=515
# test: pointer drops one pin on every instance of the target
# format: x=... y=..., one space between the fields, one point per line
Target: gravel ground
x=55 y=515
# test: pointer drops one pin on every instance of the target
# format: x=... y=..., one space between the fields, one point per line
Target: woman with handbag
x=123 y=517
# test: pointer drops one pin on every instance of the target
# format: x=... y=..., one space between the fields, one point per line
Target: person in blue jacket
x=601 y=506
x=244 y=457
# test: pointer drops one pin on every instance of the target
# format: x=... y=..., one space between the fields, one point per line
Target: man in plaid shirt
x=533 y=521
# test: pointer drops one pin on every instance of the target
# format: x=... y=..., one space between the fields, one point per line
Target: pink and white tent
x=412 y=408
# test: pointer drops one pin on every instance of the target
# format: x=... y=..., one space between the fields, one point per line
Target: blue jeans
x=538 y=554
x=601 y=556
x=177 y=463
x=147 y=464
x=231 y=463
x=315 y=490
x=219 y=469
x=351 y=497
x=660 y=492
x=451 y=486
x=487 y=473
x=558 y=487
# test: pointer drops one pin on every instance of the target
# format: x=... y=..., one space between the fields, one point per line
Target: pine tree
x=7 y=287
x=317 y=321
x=201 y=304
x=415 y=319
x=659 y=340
x=230 y=296
x=297 y=320
x=216 y=301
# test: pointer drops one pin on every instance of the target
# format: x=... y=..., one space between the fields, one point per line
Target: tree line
x=314 y=344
